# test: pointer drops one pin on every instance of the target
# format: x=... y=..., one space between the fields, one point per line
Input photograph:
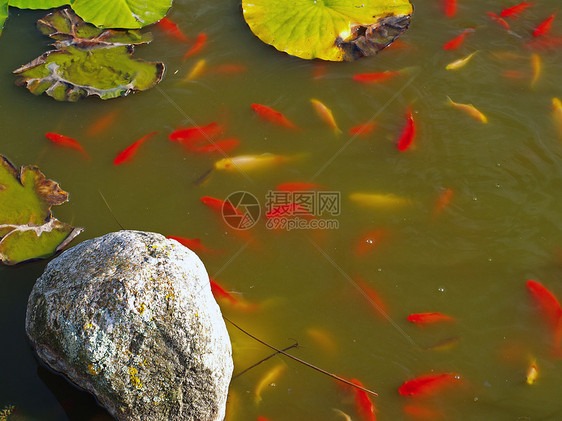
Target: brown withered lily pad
x=333 y=30
x=88 y=61
x=27 y=229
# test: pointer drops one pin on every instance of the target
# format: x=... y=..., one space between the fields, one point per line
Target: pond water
x=469 y=258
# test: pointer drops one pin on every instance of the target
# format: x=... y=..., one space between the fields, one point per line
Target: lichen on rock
x=130 y=317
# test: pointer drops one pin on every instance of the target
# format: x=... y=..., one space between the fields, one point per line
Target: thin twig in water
x=280 y=351
x=110 y=211
x=295 y=345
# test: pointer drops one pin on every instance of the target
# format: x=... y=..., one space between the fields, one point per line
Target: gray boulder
x=130 y=317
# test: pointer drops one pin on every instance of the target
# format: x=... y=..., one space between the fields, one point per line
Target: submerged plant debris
x=88 y=61
x=27 y=229
x=337 y=30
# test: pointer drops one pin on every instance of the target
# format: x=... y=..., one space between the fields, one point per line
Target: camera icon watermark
x=284 y=210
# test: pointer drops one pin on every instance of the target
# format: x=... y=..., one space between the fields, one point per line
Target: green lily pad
x=89 y=61
x=332 y=30
x=3 y=13
x=127 y=14
x=27 y=229
x=38 y=4
x=68 y=29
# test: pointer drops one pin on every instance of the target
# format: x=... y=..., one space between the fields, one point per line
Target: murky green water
x=471 y=260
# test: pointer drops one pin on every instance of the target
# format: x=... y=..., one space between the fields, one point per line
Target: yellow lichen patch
x=133 y=377
x=93 y=370
x=141 y=309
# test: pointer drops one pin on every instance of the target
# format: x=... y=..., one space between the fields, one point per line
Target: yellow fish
x=380 y=200
x=532 y=373
x=470 y=109
x=325 y=114
x=268 y=380
x=196 y=71
x=537 y=67
x=250 y=162
x=457 y=64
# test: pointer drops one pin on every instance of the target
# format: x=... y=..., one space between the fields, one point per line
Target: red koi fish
x=423 y=412
x=457 y=41
x=221 y=146
x=171 y=28
x=429 y=384
x=262 y=419
x=363 y=403
x=513 y=11
x=408 y=132
x=219 y=292
x=514 y=74
x=426 y=318
x=194 y=244
x=373 y=297
x=102 y=124
x=220 y=205
x=498 y=20
x=544 y=27
x=198 y=45
x=127 y=153
x=544 y=43
x=443 y=201
x=290 y=209
x=66 y=142
x=362 y=129
x=551 y=310
x=269 y=114
x=297 y=186
x=191 y=135
x=369 y=241
x=319 y=71
x=375 y=77
x=450 y=7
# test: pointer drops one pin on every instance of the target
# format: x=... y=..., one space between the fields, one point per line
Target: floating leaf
x=3 y=13
x=27 y=229
x=128 y=14
x=68 y=29
x=38 y=4
x=333 y=30
x=89 y=61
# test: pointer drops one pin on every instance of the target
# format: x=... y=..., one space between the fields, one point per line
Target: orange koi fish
x=102 y=124
x=470 y=109
x=127 y=153
x=190 y=135
x=269 y=114
x=373 y=297
x=196 y=71
x=514 y=74
x=220 y=205
x=429 y=384
x=290 y=209
x=443 y=201
x=450 y=7
x=363 y=403
x=499 y=20
x=362 y=129
x=323 y=338
x=223 y=146
x=408 y=132
x=171 y=28
x=194 y=244
x=229 y=69
x=369 y=241
x=457 y=41
x=197 y=46
x=260 y=418
x=544 y=43
x=550 y=307
x=544 y=27
x=423 y=412
x=66 y=142
x=219 y=292
x=325 y=115
x=513 y=11
x=537 y=67
x=426 y=318
x=532 y=373
x=319 y=71
x=297 y=186
x=375 y=77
